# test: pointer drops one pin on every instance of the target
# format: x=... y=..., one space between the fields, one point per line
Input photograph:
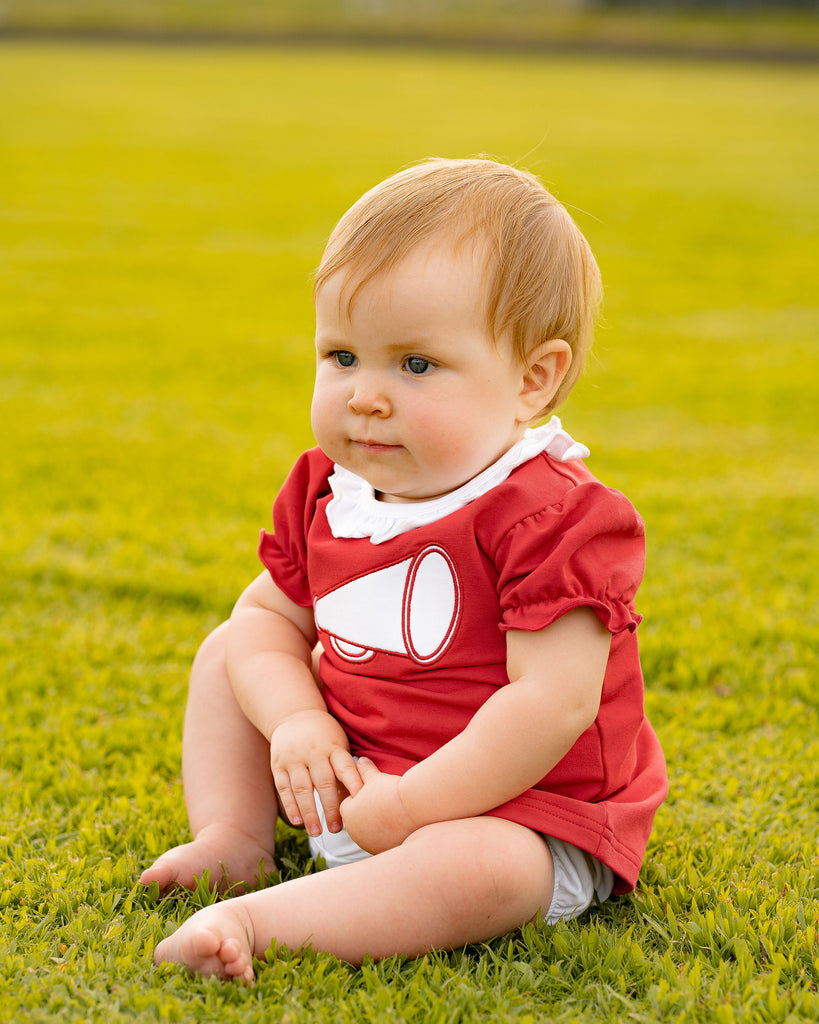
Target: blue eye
x=344 y=358
x=418 y=365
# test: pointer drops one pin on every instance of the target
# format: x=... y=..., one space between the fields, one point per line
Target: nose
x=369 y=398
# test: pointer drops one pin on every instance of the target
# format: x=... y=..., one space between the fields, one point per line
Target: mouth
x=376 y=446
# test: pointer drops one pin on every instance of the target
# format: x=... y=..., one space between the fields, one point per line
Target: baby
x=437 y=673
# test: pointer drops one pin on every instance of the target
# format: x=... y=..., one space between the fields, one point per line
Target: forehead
x=431 y=269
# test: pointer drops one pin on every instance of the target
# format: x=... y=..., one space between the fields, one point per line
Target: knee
x=499 y=863
x=210 y=662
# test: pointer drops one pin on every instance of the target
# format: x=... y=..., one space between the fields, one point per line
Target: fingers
x=367 y=770
x=347 y=771
x=341 y=779
x=295 y=791
x=331 y=776
x=327 y=788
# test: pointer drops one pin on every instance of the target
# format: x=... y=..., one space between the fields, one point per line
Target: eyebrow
x=392 y=348
x=411 y=343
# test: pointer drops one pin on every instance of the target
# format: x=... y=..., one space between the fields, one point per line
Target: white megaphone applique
x=410 y=608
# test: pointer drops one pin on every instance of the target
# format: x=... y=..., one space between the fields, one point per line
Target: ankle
x=244 y=919
x=229 y=835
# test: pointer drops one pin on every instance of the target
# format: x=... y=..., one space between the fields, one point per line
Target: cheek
x=429 y=419
x=442 y=433
x=323 y=411
x=315 y=410
x=327 y=393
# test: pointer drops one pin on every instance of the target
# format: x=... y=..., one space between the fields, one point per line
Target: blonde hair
x=543 y=281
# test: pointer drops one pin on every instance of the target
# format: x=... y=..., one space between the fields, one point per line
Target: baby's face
x=411 y=392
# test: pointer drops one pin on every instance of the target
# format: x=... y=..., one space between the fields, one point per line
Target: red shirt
x=412 y=630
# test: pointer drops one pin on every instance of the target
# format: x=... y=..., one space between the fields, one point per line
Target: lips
x=376 y=446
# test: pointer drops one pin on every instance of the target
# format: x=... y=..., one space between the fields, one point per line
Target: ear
x=546 y=367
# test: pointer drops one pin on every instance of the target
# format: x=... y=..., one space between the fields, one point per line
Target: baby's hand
x=375 y=816
x=309 y=750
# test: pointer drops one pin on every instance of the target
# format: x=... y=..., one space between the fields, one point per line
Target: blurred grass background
x=161 y=209
x=789 y=28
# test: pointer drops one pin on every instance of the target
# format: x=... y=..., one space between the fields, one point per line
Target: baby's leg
x=449 y=884
x=229 y=790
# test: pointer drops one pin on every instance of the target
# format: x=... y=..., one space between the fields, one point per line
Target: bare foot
x=217 y=940
x=231 y=857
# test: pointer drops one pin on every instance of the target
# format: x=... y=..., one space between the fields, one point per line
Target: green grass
x=160 y=212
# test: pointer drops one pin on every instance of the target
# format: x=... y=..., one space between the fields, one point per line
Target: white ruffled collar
x=355 y=511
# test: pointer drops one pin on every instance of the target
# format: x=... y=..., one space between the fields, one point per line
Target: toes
x=162 y=952
x=230 y=951
x=206 y=943
x=209 y=944
x=236 y=961
x=159 y=872
x=240 y=970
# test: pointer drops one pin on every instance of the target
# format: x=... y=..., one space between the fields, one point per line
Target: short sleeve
x=588 y=550
x=284 y=552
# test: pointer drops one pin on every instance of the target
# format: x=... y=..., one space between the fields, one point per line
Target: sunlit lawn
x=160 y=213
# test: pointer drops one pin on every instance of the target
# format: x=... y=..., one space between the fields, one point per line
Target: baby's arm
x=513 y=740
x=269 y=656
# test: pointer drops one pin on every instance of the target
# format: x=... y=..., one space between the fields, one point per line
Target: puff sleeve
x=284 y=552
x=587 y=550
